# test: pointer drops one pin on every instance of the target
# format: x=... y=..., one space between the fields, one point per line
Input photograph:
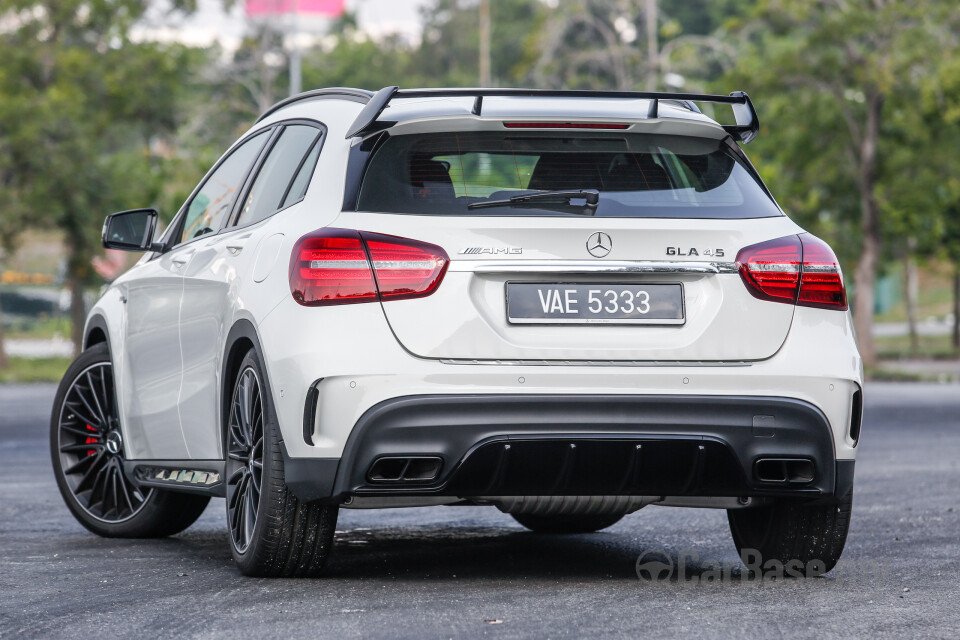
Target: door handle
x=181 y=259
x=234 y=249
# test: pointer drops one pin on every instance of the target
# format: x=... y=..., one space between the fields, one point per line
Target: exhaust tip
x=405 y=469
x=784 y=470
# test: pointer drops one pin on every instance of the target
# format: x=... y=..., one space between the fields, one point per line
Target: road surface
x=448 y=572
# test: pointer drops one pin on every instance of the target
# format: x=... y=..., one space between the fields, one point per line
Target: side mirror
x=131 y=230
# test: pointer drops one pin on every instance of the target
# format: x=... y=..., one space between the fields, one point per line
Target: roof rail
x=743 y=131
x=359 y=95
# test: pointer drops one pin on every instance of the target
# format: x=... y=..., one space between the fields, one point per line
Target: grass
x=34 y=370
x=43 y=327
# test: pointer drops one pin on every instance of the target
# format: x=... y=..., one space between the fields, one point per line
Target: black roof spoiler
x=743 y=131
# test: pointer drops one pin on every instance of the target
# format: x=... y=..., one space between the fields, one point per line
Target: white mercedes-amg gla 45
x=567 y=305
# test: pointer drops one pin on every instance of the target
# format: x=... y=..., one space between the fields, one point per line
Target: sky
x=211 y=23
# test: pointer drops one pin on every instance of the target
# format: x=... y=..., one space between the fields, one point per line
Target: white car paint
x=169 y=316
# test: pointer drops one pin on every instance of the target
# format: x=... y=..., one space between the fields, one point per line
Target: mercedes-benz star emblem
x=599 y=244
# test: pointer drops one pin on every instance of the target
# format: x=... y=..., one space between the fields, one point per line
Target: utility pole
x=296 y=61
x=653 y=47
x=485 y=78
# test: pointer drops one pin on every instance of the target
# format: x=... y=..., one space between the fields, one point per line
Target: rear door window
x=637 y=175
x=284 y=166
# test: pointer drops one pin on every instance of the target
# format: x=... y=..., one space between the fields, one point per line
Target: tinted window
x=211 y=205
x=638 y=175
x=277 y=172
x=298 y=188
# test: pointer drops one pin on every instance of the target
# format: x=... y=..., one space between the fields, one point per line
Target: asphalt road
x=471 y=571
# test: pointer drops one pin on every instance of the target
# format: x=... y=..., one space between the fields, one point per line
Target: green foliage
x=81 y=107
x=449 y=52
x=814 y=69
x=92 y=122
x=355 y=61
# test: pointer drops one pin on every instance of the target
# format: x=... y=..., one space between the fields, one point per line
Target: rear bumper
x=546 y=444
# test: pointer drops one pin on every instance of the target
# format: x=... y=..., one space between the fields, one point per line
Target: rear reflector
x=565 y=125
x=333 y=266
x=798 y=269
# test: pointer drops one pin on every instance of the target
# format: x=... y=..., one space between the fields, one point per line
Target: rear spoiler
x=744 y=131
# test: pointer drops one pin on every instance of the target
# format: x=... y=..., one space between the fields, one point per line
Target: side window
x=298 y=188
x=211 y=205
x=272 y=184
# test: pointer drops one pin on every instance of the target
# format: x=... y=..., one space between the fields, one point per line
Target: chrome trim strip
x=594 y=266
x=598 y=363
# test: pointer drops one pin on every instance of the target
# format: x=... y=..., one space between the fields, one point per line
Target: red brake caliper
x=91 y=440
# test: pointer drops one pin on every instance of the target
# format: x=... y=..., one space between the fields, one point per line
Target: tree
x=941 y=103
x=81 y=110
x=448 y=54
x=832 y=74
x=636 y=44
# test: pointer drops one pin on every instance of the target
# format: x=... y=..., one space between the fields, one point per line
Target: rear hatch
x=648 y=274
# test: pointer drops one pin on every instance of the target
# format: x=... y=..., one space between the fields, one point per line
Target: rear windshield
x=637 y=175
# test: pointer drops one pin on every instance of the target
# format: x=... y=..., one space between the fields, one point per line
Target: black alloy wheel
x=245 y=458
x=90 y=446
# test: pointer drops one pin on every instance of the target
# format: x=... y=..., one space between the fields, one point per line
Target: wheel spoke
x=250 y=511
x=95 y=467
x=82 y=462
x=75 y=408
x=108 y=401
x=96 y=400
x=236 y=424
x=236 y=435
x=232 y=479
x=114 y=492
x=98 y=483
x=256 y=484
x=237 y=512
x=83 y=446
x=78 y=393
x=122 y=481
x=247 y=406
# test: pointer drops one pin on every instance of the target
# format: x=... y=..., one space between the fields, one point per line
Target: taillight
x=330 y=266
x=821 y=284
x=343 y=266
x=799 y=270
x=771 y=270
x=405 y=268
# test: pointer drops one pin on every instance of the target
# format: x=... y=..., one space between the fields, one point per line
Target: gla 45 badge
x=692 y=251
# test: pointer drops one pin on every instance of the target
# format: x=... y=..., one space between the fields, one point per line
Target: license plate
x=535 y=303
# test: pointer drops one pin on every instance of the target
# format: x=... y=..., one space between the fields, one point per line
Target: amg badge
x=492 y=251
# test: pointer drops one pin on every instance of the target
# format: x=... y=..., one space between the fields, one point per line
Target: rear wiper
x=590 y=197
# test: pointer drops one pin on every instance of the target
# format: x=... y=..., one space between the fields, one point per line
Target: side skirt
x=205 y=477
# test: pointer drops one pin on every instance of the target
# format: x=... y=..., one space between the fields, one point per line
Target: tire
x=813 y=534
x=566 y=524
x=84 y=430
x=272 y=533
